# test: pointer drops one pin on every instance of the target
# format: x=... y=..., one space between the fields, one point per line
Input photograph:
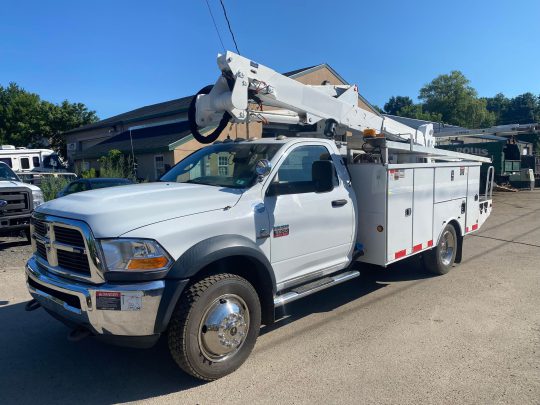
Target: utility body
x=240 y=228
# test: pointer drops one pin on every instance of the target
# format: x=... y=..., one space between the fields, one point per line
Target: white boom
x=245 y=90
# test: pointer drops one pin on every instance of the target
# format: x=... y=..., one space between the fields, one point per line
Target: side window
x=25 y=163
x=7 y=161
x=35 y=161
x=295 y=174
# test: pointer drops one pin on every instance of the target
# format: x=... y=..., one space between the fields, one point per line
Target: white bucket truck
x=240 y=228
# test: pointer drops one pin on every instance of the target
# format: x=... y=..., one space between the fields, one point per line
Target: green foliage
x=397 y=104
x=115 y=164
x=450 y=99
x=89 y=174
x=417 y=111
x=451 y=96
x=26 y=120
x=51 y=185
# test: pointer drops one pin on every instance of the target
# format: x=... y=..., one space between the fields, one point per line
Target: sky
x=117 y=55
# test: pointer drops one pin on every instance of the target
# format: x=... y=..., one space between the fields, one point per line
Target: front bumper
x=76 y=304
x=14 y=223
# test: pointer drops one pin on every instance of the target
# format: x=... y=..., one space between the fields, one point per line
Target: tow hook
x=32 y=305
x=78 y=334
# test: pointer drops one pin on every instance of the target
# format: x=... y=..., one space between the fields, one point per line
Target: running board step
x=310 y=288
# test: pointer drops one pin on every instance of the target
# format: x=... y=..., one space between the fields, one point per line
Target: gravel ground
x=390 y=336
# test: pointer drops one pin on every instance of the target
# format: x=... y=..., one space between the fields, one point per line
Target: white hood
x=11 y=183
x=111 y=212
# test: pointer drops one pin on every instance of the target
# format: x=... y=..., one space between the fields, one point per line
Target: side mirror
x=322 y=172
x=263 y=168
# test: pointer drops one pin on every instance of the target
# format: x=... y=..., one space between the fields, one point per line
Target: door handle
x=339 y=203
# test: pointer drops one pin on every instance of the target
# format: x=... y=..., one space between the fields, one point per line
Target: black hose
x=193 y=122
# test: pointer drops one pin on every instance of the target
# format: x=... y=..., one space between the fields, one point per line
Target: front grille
x=61 y=246
x=75 y=262
x=41 y=250
x=71 y=300
x=39 y=227
x=18 y=201
x=68 y=236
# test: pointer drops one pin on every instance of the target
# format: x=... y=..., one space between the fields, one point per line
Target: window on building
x=223 y=165
x=159 y=165
x=25 y=163
x=35 y=161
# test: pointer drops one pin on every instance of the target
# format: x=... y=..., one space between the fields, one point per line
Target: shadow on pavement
x=38 y=364
x=11 y=244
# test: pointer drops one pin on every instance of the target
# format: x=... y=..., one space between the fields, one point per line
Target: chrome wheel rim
x=224 y=327
x=448 y=245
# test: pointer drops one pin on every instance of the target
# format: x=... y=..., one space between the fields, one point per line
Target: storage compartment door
x=473 y=196
x=400 y=204
x=450 y=183
x=423 y=209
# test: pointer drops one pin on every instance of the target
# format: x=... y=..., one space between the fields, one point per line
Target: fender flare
x=215 y=248
x=198 y=257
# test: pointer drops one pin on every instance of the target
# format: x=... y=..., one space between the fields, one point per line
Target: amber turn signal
x=153 y=263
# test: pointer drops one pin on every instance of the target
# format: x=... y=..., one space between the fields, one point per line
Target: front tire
x=215 y=326
x=440 y=259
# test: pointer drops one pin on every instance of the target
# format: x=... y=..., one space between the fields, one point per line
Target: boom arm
x=250 y=92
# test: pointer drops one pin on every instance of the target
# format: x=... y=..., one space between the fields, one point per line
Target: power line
x=229 y=24
x=215 y=26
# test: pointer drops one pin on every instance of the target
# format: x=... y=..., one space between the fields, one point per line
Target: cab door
x=309 y=231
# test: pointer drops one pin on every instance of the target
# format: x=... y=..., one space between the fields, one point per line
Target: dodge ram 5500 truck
x=241 y=227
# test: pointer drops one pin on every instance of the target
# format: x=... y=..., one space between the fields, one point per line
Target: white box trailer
x=403 y=208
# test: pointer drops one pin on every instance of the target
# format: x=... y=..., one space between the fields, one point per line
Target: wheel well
x=459 y=241
x=253 y=271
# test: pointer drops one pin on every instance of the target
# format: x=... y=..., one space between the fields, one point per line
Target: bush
x=51 y=185
x=115 y=164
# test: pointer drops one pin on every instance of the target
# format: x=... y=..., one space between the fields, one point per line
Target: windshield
x=6 y=173
x=226 y=164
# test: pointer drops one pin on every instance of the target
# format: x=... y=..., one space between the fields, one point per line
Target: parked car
x=91 y=184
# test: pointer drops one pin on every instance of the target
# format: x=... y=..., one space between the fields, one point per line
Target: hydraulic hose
x=193 y=123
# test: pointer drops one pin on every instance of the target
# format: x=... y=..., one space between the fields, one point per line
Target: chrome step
x=310 y=288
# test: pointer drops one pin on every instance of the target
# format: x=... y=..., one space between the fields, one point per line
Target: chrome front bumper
x=75 y=302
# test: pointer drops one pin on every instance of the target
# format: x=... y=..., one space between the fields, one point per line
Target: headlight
x=37 y=196
x=134 y=255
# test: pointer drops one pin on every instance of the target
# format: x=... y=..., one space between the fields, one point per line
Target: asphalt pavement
x=393 y=336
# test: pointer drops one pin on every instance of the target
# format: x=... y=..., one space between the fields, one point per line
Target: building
x=158 y=135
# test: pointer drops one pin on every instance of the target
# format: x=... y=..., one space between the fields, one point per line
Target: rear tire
x=440 y=259
x=215 y=326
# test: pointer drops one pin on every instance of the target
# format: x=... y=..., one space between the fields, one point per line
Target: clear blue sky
x=117 y=55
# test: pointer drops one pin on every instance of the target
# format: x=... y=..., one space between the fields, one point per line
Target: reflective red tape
x=417 y=248
x=466 y=229
x=430 y=243
x=475 y=227
x=401 y=253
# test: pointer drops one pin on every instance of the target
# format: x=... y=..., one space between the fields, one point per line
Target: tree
x=396 y=104
x=498 y=105
x=523 y=109
x=417 y=111
x=451 y=96
x=27 y=120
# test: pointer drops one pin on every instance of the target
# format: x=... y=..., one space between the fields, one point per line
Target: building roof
x=158 y=138
x=180 y=105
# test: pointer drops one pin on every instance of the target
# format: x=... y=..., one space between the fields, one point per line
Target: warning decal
x=119 y=301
